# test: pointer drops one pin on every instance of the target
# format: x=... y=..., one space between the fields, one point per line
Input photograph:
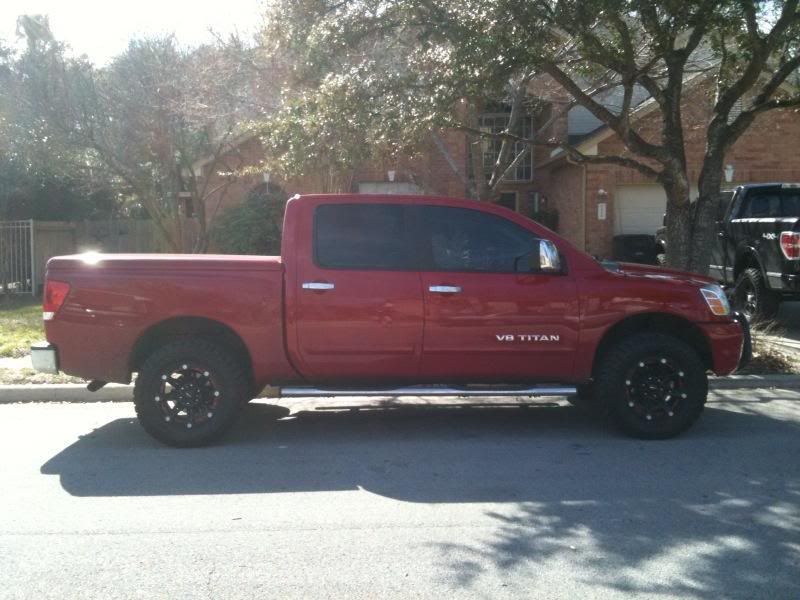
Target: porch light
x=729 y=170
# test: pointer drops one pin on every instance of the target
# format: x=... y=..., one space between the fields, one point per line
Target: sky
x=101 y=29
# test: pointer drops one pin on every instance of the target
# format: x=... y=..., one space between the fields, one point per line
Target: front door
x=485 y=319
x=720 y=267
x=359 y=297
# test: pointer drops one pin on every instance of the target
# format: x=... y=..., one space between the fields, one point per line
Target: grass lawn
x=20 y=324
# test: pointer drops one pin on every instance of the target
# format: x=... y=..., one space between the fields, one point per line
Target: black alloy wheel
x=752 y=298
x=654 y=388
x=190 y=392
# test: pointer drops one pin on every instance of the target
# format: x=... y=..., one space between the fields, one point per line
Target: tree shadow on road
x=727 y=491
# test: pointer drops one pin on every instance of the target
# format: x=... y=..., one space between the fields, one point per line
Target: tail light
x=55 y=292
x=790 y=244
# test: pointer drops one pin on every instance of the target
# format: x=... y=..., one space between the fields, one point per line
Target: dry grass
x=20 y=325
x=769 y=357
x=29 y=376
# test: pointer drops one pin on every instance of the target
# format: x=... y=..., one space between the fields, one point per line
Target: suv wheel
x=654 y=386
x=752 y=297
x=189 y=392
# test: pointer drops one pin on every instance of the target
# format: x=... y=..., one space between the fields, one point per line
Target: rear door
x=358 y=313
x=485 y=320
x=758 y=227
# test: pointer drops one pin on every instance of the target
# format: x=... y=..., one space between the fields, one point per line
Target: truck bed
x=116 y=299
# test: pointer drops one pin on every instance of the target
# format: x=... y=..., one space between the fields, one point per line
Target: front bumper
x=44 y=357
x=730 y=344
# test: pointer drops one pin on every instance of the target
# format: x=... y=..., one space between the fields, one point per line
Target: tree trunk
x=704 y=230
x=679 y=220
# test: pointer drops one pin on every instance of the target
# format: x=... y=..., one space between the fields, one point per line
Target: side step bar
x=298 y=392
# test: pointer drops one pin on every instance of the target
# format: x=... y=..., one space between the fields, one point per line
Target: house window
x=508 y=199
x=490 y=147
x=186 y=203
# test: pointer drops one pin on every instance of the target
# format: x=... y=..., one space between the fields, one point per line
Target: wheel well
x=676 y=327
x=745 y=261
x=183 y=327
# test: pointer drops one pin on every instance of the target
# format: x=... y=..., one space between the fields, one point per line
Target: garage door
x=640 y=208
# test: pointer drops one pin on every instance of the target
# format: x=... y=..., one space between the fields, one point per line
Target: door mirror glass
x=543 y=258
x=549 y=258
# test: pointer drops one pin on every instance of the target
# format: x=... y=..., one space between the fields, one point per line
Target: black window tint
x=791 y=203
x=460 y=239
x=762 y=205
x=361 y=236
x=723 y=204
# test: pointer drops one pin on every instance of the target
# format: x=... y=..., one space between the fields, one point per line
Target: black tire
x=189 y=392
x=753 y=298
x=654 y=386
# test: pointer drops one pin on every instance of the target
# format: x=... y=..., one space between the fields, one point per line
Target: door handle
x=445 y=289
x=318 y=285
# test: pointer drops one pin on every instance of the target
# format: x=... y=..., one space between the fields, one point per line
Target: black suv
x=758 y=247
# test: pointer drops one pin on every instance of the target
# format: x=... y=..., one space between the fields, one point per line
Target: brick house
x=594 y=202
x=597 y=202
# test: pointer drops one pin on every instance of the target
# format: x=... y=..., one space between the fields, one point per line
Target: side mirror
x=543 y=258
x=549 y=258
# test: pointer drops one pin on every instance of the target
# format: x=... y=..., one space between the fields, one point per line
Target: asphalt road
x=424 y=503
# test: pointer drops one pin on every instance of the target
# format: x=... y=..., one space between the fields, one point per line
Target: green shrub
x=253 y=227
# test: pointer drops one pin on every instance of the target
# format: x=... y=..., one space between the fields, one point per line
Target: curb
x=64 y=392
x=113 y=392
x=750 y=382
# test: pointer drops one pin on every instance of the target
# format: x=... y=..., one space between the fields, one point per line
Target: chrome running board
x=543 y=390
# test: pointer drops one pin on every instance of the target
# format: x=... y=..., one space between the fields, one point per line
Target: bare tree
x=148 y=117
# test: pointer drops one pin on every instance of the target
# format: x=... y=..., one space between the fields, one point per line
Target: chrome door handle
x=317 y=285
x=445 y=289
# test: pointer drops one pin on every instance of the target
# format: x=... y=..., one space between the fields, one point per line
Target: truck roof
x=782 y=184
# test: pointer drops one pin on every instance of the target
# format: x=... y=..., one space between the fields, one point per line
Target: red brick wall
x=563 y=188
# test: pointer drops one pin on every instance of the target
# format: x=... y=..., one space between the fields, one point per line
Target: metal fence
x=17 y=258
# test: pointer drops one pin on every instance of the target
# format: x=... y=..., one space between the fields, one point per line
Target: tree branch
x=607 y=159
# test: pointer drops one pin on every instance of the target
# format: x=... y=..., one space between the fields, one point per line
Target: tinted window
x=723 y=204
x=790 y=205
x=460 y=239
x=763 y=204
x=361 y=236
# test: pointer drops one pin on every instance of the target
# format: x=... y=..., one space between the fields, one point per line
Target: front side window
x=460 y=239
x=361 y=236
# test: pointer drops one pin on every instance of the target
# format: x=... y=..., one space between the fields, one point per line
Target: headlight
x=716 y=299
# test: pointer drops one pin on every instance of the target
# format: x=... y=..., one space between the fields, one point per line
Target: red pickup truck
x=388 y=295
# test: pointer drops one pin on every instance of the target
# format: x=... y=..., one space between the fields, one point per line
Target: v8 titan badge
x=527 y=337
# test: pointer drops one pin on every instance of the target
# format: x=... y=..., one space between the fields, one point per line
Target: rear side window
x=361 y=236
x=460 y=239
x=763 y=204
x=790 y=202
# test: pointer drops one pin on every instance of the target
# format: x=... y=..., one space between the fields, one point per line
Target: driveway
x=424 y=502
